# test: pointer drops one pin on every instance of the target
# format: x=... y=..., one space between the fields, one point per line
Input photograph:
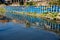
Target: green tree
x=2 y=11
x=55 y=2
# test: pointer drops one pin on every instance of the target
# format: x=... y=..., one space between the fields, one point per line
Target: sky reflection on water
x=17 y=30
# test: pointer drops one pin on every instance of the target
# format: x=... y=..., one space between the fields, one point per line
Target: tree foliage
x=55 y=2
x=2 y=11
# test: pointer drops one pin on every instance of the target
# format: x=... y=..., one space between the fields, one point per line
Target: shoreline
x=39 y=16
x=42 y=15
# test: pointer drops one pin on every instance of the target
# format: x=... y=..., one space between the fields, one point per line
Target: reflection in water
x=16 y=26
x=4 y=19
x=30 y=21
x=27 y=24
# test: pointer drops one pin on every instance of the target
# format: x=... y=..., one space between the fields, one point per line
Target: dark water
x=22 y=27
x=19 y=31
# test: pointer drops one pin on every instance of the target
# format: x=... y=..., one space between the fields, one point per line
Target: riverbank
x=48 y=16
x=51 y=16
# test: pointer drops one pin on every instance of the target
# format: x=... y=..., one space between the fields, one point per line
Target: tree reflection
x=4 y=19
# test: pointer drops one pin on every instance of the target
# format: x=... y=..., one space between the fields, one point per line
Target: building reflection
x=43 y=24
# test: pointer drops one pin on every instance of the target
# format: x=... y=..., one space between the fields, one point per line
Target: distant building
x=23 y=0
x=15 y=1
x=38 y=2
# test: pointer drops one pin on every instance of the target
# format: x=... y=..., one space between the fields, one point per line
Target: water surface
x=22 y=30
